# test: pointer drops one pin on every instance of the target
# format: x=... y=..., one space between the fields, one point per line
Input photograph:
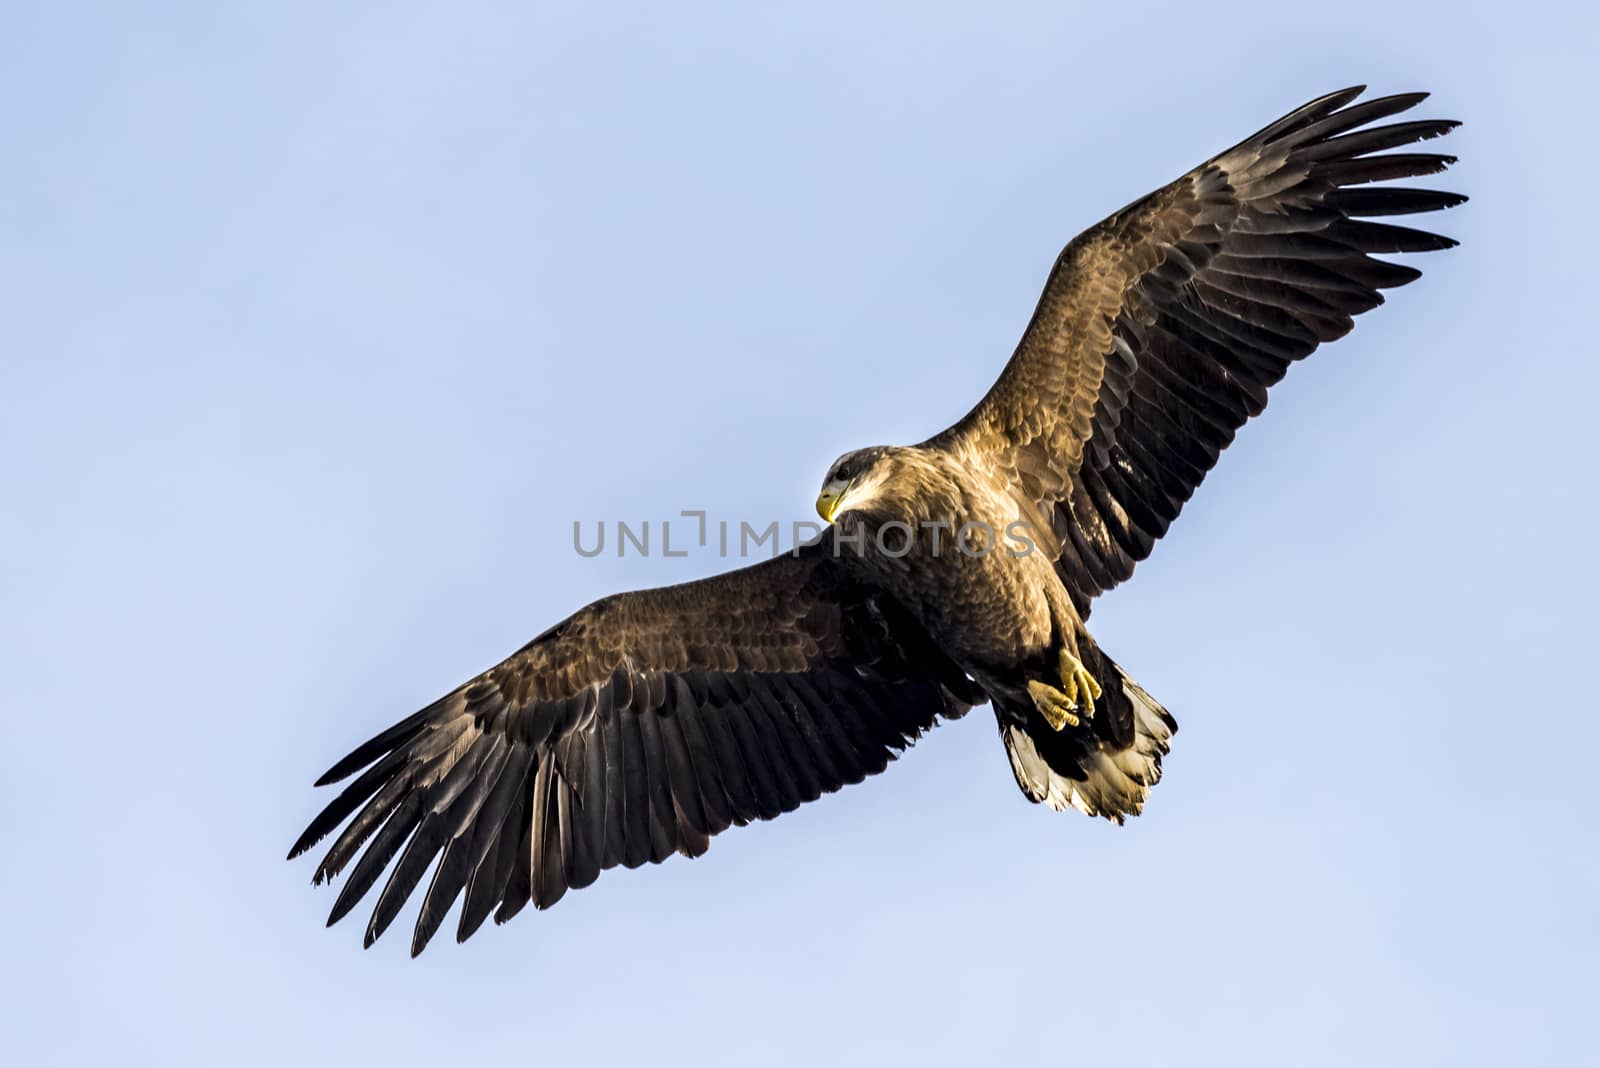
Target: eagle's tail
x=1106 y=766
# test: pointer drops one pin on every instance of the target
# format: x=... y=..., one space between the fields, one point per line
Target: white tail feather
x=1114 y=782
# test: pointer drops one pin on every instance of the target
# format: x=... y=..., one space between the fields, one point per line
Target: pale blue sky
x=322 y=326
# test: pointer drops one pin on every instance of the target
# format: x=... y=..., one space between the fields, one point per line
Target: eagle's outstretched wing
x=638 y=728
x=1160 y=329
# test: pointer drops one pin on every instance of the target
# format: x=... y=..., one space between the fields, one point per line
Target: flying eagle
x=953 y=572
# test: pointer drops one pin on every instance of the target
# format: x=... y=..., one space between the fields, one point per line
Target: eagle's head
x=854 y=479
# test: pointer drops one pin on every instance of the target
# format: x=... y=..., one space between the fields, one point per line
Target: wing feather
x=641 y=726
x=1161 y=329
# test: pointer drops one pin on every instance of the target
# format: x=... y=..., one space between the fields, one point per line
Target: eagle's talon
x=1058 y=710
x=1079 y=687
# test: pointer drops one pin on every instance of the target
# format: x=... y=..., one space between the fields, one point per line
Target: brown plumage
x=650 y=721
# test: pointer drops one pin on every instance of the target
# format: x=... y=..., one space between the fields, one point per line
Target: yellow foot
x=1079 y=686
x=1057 y=708
x=1074 y=702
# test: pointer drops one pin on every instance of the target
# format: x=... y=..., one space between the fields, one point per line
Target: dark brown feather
x=1161 y=329
x=627 y=733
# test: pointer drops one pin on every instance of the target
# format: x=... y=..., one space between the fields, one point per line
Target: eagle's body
x=977 y=565
x=954 y=572
x=949 y=540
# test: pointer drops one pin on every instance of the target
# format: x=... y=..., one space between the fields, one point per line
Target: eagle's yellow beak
x=829 y=499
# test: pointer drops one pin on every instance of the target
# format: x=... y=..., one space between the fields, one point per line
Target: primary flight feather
x=953 y=572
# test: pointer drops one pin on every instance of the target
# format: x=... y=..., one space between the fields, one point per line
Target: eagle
x=952 y=573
